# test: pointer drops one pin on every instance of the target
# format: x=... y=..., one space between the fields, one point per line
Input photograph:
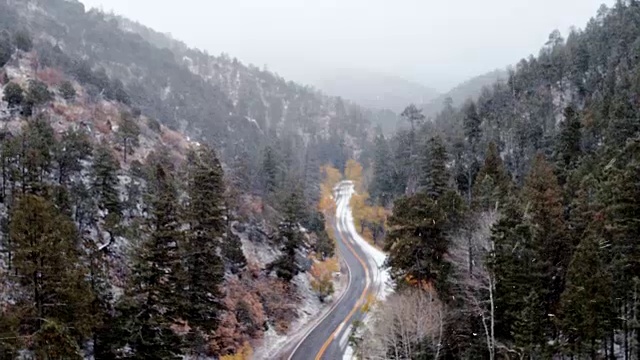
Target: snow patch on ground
x=257 y=252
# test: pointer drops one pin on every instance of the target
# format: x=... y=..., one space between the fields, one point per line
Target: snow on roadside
x=376 y=258
x=310 y=308
x=381 y=279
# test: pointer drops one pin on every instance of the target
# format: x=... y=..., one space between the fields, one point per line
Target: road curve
x=328 y=339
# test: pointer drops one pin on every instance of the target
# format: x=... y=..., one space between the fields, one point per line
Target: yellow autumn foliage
x=245 y=353
x=369 y=303
x=322 y=276
x=361 y=210
x=331 y=177
x=353 y=172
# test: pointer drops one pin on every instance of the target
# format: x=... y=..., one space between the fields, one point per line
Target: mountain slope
x=374 y=90
x=210 y=98
x=526 y=208
x=469 y=89
x=117 y=139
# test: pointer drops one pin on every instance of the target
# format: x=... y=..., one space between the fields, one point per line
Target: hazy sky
x=437 y=43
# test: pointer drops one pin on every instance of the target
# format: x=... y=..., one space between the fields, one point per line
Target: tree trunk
x=493 y=323
x=611 y=345
x=635 y=318
x=125 y=150
x=4 y=179
x=626 y=330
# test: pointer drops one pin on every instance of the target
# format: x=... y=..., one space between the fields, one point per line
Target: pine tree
x=37 y=95
x=242 y=177
x=550 y=242
x=417 y=242
x=382 y=186
x=37 y=155
x=105 y=190
x=517 y=285
x=471 y=124
x=619 y=193
x=413 y=115
x=47 y=265
x=569 y=145
x=493 y=182
x=128 y=132
x=205 y=215
x=403 y=163
x=23 y=40
x=10 y=342
x=270 y=171
x=434 y=179
x=14 y=96
x=6 y=47
x=106 y=336
x=286 y=266
x=231 y=247
x=71 y=150
x=587 y=310
x=157 y=278
x=9 y=155
x=67 y=91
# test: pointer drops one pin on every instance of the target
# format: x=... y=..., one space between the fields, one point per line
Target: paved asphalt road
x=329 y=338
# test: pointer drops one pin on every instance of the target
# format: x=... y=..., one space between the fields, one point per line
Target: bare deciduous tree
x=401 y=326
x=469 y=255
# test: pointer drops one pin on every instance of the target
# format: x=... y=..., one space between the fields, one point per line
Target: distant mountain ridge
x=469 y=89
x=374 y=90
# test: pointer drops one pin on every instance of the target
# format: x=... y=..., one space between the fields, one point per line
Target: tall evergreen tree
x=38 y=94
x=286 y=266
x=14 y=96
x=128 y=132
x=71 y=150
x=550 y=242
x=415 y=117
x=493 y=182
x=587 y=312
x=37 y=152
x=471 y=124
x=569 y=145
x=417 y=243
x=157 y=278
x=105 y=190
x=6 y=47
x=205 y=215
x=47 y=264
x=619 y=193
x=434 y=178
x=382 y=187
x=518 y=309
x=270 y=171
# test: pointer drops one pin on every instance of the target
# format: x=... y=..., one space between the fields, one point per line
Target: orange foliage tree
x=331 y=177
x=370 y=220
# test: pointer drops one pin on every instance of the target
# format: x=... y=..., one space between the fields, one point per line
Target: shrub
x=14 y=95
x=6 y=48
x=67 y=91
x=50 y=76
x=154 y=125
x=23 y=41
x=38 y=94
x=322 y=277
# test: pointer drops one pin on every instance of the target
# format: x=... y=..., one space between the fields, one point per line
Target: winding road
x=329 y=337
